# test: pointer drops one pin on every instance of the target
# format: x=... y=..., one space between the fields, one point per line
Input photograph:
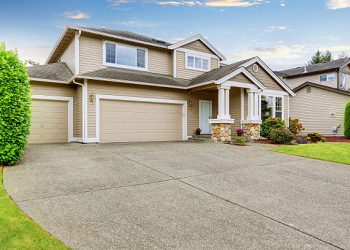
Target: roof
x=136 y=76
x=316 y=85
x=58 y=72
x=314 y=68
x=218 y=73
x=128 y=35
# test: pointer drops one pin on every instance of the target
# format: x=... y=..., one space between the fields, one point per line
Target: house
x=322 y=91
x=101 y=85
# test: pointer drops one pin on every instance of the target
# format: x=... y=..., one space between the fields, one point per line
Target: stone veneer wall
x=252 y=131
x=221 y=132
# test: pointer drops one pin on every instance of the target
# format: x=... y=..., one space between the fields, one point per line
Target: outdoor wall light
x=91 y=98
x=189 y=104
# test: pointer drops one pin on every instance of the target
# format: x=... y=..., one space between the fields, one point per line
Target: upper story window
x=196 y=62
x=124 y=56
x=342 y=82
x=327 y=77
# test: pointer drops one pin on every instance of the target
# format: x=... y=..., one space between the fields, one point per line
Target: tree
x=347 y=121
x=342 y=55
x=320 y=57
x=14 y=107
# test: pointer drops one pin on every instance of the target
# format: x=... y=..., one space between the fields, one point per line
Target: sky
x=284 y=33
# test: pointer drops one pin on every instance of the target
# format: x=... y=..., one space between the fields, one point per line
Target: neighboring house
x=322 y=91
x=102 y=85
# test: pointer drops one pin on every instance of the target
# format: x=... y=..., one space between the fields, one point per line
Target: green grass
x=334 y=152
x=17 y=231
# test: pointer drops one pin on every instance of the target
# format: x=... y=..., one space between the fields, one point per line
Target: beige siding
x=295 y=82
x=91 y=57
x=241 y=78
x=198 y=46
x=52 y=89
x=265 y=78
x=141 y=121
x=214 y=63
x=78 y=112
x=49 y=122
x=235 y=107
x=68 y=56
x=319 y=110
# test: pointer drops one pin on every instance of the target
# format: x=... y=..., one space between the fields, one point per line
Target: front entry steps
x=201 y=138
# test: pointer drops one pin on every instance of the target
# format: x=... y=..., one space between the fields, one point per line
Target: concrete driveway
x=183 y=195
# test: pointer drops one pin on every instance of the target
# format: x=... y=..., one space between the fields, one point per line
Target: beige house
x=322 y=91
x=102 y=85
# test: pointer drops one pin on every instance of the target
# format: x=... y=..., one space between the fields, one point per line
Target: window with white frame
x=197 y=62
x=125 y=56
x=271 y=106
x=327 y=77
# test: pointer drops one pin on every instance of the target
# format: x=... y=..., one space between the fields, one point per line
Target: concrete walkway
x=183 y=195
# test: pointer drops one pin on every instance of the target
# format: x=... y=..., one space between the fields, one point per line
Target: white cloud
x=118 y=2
x=213 y=3
x=276 y=28
x=332 y=38
x=77 y=15
x=338 y=4
x=282 y=3
x=136 y=24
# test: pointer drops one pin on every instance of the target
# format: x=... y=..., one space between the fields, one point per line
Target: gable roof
x=314 y=68
x=316 y=85
x=200 y=38
x=55 y=72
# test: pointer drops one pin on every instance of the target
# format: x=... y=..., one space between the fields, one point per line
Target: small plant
x=198 y=131
x=295 y=126
x=301 y=140
x=347 y=121
x=281 y=136
x=240 y=140
x=269 y=124
x=315 y=137
x=240 y=131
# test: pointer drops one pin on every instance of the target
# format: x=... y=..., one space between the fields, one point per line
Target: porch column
x=253 y=105
x=224 y=102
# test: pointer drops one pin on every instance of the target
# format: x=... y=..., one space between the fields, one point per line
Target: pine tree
x=320 y=57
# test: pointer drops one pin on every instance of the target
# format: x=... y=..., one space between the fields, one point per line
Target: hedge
x=14 y=107
x=347 y=121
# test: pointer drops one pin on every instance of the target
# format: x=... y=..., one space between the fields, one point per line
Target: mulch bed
x=337 y=139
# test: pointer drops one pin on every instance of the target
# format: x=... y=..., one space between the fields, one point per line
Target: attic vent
x=255 y=68
x=308 y=89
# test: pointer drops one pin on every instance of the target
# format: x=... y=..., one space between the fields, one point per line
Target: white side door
x=205 y=112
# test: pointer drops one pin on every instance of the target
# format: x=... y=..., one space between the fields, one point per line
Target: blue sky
x=284 y=33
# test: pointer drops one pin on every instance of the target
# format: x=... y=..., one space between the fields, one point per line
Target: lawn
x=334 y=152
x=17 y=231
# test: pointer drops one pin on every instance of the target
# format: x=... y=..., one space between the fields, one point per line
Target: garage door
x=130 y=121
x=49 y=122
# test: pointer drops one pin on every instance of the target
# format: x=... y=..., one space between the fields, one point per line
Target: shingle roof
x=218 y=73
x=321 y=67
x=54 y=71
x=136 y=76
x=316 y=85
x=129 y=35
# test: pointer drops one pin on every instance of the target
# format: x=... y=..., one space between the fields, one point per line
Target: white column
x=224 y=102
x=250 y=105
x=253 y=105
x=227 y=103
x=256 y=106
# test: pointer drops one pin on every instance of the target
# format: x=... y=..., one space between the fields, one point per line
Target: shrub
x=347 y=121
x=269 y=124
x=240 y=140
x=240 y=131
x=281 y=136
x=295 y=126
x=302 y=140
x=315 y=137
x=14 y=107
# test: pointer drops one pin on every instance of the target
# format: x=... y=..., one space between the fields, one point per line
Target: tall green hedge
x=347 y=121
x=14 y=107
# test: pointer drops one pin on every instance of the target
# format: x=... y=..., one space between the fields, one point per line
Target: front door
x=205 y=112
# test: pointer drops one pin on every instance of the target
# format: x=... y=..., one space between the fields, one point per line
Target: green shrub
x=295 y=126
x=315 y=137
x=347 y=121
x=240 y=140
x=281 y=136
x=269 y=124
x=14 y=107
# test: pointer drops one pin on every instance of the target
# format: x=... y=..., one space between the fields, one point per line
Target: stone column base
x=252 y=131
x=221 y=132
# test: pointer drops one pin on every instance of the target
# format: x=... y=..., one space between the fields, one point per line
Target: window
x=197 y=62
x=271 y=106
x=327 y=77
x=125 y=56
x=342 y=82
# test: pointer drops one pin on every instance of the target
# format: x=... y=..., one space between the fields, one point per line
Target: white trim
x=274 y=104
x=116 y=65
x=240 y=85
x=56 y=44
x=174 y=63
x=271 y=73
x=200 y=54
x=70 y=110
x=77 y=53
x=195 y=38
x=194 y=62
x=251 y=122
x=288 y=111
x=46 y=80
x=139 y=99
x=215 y=121
x=274 y=92
x=242 y=104
x=85 y=110
x=200 y=111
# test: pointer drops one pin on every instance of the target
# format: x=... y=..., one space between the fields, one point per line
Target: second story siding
x=68 y=56
x=315 y=78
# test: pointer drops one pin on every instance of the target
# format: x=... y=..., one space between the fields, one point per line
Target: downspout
x=83 y=109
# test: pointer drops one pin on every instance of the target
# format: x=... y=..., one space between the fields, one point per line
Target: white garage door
x=49 y=122
x=131 y=121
